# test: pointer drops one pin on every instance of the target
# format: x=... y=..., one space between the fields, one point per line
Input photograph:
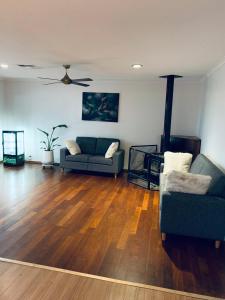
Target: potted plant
x=49 y=144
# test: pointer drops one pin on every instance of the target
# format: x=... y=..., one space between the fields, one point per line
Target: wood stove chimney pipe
x=168 y=111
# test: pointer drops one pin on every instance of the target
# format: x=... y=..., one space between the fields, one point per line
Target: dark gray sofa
x=92 y=157
x=200 y=216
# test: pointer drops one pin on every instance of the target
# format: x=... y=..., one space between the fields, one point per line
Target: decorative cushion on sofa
x=87 y=144
x=202 y=165
x=187 y=183
x=78 y=158
x=72 y=147
x=177 y=161
x=103 y=145
x=162 y=180
x=99 y=159
x=111 y=150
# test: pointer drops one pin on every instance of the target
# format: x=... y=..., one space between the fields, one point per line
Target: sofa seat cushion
x=84 y=158
x=87 y=144
x=103 y=145
x=99 y=159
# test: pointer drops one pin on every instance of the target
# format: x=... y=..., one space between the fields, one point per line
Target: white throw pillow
x=177 y=161
x=72 y=147
x=187 y=183
x=111 y=150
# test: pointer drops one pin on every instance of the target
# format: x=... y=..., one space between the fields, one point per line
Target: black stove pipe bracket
x=168 y=111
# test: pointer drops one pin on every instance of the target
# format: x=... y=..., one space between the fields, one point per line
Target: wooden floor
x=26 y=281
x=101 y=226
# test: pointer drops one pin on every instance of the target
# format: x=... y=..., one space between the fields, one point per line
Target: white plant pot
x=48 y=158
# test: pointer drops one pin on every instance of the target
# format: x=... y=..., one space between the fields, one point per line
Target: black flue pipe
x=168 y=111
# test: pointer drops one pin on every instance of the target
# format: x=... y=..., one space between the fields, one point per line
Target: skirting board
x=36 y=162
x=55 y=164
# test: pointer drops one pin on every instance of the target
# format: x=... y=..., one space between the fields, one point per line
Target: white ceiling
x=102 y=38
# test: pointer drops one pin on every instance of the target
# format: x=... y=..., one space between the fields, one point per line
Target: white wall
x=1 y=113
x=212 y=129
x=28 y=104
x=188 y=97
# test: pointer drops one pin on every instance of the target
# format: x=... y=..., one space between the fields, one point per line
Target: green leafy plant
x=50 y=142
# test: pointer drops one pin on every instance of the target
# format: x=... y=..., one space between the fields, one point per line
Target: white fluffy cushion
x=111 y=150
x=177 y=161
x=187 y=183
x=72 y=147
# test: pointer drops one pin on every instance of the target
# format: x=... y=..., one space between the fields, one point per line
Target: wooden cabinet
x=182 y=143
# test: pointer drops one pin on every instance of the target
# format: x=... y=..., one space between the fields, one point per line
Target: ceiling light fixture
x=136 y=66
x=4 y=66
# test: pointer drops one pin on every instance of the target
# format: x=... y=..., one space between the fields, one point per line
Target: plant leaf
x=60 y=126
x=53 y=140
x=46 y=133
x=54 y=146
x=63 y=126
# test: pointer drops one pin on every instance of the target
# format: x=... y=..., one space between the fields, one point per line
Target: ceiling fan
x=67 y=80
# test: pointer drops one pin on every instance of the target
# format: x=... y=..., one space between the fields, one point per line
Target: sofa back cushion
x=87 y=144
x=202 y=165
x=103 y=145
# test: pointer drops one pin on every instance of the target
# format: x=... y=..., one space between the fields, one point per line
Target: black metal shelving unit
x=144 y=166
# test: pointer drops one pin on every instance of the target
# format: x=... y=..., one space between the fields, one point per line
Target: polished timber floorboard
x=102 y=226
x=20 y=280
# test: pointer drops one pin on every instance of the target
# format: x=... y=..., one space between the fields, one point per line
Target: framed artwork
x=100 y=107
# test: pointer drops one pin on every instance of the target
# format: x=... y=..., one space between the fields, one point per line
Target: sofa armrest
x=118 y=160
x=63 y=153
x=193 y=215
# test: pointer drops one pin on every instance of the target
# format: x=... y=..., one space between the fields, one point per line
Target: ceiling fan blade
x=82 y=79
x=51 y=83
x=48 y=78
x=81 y=84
